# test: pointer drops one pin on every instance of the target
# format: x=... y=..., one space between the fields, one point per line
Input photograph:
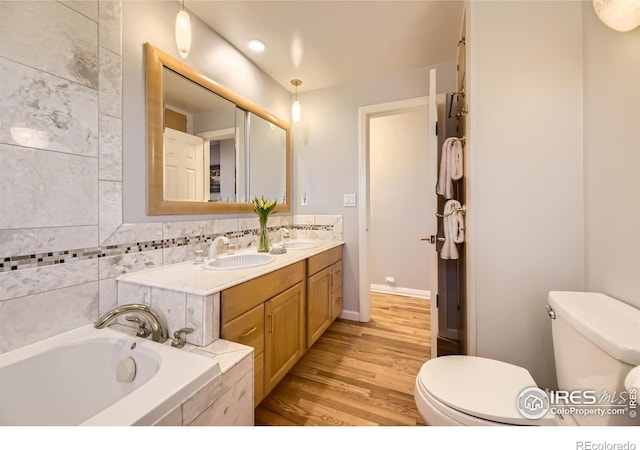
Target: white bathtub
x=70 y=379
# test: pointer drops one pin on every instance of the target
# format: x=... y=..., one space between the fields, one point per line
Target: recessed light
x=256 y=45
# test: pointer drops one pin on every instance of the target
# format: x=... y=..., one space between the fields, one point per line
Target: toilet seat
x=475 y=391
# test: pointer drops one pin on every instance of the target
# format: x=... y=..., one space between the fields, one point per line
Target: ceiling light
x=256 y=45
x=295 y=108
x=183 y=32
x=621 y=15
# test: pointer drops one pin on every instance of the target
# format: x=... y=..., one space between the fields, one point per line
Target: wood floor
x=357 y=373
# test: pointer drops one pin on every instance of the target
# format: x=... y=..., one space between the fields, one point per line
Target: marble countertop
x=194 y=279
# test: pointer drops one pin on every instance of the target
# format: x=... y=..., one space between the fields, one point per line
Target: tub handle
x=180 y=337
x=550 y=311
x=143 y=331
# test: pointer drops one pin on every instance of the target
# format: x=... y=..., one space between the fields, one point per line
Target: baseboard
x=350 y=315
x=405 y=292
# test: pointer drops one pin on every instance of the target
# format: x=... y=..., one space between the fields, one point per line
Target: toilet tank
x=596 y=342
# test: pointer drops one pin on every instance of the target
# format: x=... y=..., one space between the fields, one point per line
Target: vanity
x=278 y=309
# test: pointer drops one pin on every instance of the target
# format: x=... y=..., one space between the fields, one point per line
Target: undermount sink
x=300 y=245
x=232 y=262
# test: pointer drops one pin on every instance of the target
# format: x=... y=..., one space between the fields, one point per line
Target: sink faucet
x=157 y=332
x=214 y=246
x=278 y=237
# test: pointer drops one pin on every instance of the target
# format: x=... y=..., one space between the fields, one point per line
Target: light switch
x=349 y=200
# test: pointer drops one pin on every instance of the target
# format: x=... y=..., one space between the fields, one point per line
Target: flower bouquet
x=263 y=208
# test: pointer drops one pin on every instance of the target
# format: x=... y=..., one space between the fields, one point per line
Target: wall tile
x=36 y=317
x=304 y=220
x=110 y=145
x=110 y=91
x=26 y=241
x=211 y=314
x=108 y=295
x=173 y=255
x=202 y=400
x=173 y=230
x=110 y=35
x=39 y=110
x=59 y=189
x=234 y=369
x=195 y=318
x=170 y=306
x=52 y=38
x=221 y=226
x=234 y=407
x=112 y=266
x=110 y=202
x=248 y=223
x=327 y=220
x=20 y=283
x=135 y=232
x=133 y=293
x=86 y=8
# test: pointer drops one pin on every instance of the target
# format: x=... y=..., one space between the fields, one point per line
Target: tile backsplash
x=62 y=237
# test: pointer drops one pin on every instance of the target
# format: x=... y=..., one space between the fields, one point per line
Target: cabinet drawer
x=318 y=262
x=243 y=297
x=247 y=329
x=336 y=276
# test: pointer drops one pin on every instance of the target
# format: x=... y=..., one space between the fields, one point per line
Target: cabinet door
x=336 y=290
x=318 y=305
x=284 y=340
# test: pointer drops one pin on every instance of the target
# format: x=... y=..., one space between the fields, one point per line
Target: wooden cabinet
x=284 y=334
x=283 y=313
x=318 y=305
x=324 y=292
x=244 y=311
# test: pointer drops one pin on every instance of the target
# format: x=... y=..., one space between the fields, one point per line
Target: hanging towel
x=453 y=224
x=451 y=166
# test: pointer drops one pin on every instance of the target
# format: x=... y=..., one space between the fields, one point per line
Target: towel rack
x=462 y=209
x=452 y=95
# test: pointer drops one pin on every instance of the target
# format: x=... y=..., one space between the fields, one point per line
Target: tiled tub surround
x=54 y=289
x=187 y=295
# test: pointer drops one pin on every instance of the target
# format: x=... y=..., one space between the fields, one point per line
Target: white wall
x=399 y=159
x=325 y=149
x=612 y=159
x=525 y=185
x=154 y=22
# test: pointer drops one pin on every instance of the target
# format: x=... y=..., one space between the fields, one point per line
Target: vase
x=263 y=236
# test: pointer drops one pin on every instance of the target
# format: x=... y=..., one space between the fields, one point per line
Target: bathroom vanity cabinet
x=283 y=313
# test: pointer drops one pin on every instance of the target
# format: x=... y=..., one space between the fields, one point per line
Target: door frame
x=364 y=114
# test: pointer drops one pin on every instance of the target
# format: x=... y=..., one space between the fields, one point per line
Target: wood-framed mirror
x=209 y=151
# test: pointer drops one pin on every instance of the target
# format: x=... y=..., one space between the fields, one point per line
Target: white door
x=183 y=166
x=432 y=225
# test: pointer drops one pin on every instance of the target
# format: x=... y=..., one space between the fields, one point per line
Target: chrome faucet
x=214 y=246
x=278 y=237
x=157 y=332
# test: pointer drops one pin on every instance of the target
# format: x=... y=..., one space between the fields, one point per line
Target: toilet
x=596 y=341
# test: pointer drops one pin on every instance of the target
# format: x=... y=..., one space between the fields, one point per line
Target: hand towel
x=451 y=166
x=453 y=224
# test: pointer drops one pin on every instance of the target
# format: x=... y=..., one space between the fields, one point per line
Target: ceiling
x=325 y=43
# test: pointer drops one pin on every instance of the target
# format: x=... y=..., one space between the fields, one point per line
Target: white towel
x=451 y=166
x=453 y=224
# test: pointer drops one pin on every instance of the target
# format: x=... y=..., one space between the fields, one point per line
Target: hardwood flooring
x=357 y=373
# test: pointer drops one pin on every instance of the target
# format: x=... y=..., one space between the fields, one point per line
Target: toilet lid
x=480 y=387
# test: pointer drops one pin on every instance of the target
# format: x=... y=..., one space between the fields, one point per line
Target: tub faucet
x=214 y=246
x=157 y=332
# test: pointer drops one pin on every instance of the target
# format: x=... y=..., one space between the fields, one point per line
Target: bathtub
x=70 y=379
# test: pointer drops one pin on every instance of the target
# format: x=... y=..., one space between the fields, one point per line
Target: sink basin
x=300 y=245
x=239 y=261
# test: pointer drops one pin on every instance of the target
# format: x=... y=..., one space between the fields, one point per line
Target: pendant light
x=295 y=108
x=621 y=15
x=183 y=32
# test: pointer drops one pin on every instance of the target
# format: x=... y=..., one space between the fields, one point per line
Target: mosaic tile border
x=21 y=262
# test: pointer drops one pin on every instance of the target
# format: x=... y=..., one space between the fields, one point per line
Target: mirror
x=209 y=151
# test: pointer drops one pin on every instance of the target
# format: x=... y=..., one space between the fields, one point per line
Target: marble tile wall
x=62 y=237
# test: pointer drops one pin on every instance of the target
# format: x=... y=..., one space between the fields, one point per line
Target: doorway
x=409 y=209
